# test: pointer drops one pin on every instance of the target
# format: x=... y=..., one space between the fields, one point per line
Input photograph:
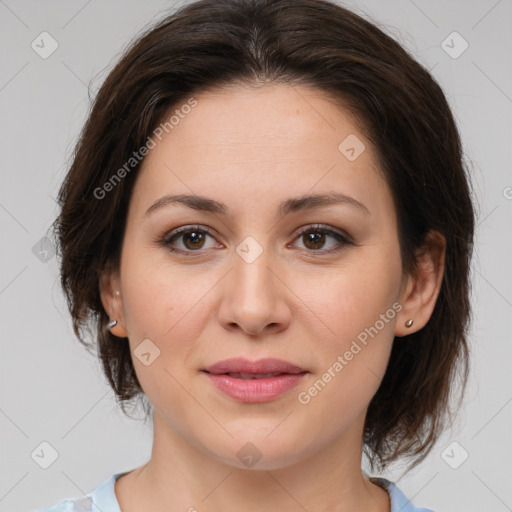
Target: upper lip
x=242 y=365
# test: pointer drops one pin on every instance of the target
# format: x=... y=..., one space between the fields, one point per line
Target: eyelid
x=166 y=238
x=325 y=228
x=187 y=228
x=343 y=239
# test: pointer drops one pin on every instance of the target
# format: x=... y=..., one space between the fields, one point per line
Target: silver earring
x=111 y=324
x=409 y=322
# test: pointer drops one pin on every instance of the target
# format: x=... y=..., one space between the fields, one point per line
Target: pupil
x=194 y=235
x=312 y=236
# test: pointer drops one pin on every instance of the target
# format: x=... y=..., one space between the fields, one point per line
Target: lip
x=242 y=365
x=254 y=390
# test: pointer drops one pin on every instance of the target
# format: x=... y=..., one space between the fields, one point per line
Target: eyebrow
x=307 y=202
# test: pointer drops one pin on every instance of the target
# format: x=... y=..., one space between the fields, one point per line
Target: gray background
x=52 y=390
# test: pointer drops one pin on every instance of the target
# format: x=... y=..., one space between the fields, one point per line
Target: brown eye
x=193 y=239
x=187 y=239
x=314 y=239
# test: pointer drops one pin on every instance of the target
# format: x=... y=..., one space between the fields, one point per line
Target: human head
x=400 y=110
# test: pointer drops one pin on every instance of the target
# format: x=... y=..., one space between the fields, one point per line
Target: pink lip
x=241 y=365
x=259 y=389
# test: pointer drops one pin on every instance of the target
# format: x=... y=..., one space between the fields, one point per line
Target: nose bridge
x=254 y=298
x=252 y=275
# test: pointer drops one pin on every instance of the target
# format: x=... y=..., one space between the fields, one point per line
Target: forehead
x=278 y=116
x=262 y=143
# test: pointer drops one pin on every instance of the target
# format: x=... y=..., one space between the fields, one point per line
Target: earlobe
x=112 y=301
x=422 y=290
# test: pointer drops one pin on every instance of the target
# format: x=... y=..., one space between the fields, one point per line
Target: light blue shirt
x=103 y=499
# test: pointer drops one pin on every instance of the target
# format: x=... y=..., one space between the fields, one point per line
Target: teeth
x=254 y=375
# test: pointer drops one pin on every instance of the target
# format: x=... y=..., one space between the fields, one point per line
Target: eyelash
x=314 y=228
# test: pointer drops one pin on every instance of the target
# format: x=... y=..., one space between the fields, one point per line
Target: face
x=316 y=285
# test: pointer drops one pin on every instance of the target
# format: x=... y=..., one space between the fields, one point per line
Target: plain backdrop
x=53 y=397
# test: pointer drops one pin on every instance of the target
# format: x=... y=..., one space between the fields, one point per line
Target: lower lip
x=255 y=390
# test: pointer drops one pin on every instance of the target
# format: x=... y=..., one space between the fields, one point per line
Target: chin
x=256 y=450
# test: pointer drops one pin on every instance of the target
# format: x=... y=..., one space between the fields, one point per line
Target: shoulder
x=102 y=498
x=70 y=505
x=399 y=502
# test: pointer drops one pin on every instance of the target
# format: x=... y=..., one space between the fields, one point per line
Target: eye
x=314 y=238
x=192 y=237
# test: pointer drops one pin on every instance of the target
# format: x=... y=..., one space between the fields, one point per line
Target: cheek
x=346 y=301
x=171 y=309
x=353 y=328
x=164 y=305
x=160 y=305
x=353 y=351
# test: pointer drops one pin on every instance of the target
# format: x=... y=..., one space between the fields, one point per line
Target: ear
x=111 y=298
x=420 y=291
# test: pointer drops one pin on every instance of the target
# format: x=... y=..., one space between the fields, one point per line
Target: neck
x=180 y=476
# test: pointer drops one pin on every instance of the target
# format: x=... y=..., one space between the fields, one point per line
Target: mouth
x=258 y=381
x=243 y=368
x=239 y=375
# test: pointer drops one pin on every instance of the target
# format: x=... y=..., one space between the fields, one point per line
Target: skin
x=252 y=149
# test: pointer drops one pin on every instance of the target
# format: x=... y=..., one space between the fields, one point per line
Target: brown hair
x=404 y=114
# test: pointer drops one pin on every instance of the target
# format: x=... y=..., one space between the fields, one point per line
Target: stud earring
x=409 y=322
x=111 y=324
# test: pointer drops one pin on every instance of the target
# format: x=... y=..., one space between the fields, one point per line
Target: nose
x=254 y=297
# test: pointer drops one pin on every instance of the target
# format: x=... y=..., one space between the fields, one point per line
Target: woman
x=269 y=223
